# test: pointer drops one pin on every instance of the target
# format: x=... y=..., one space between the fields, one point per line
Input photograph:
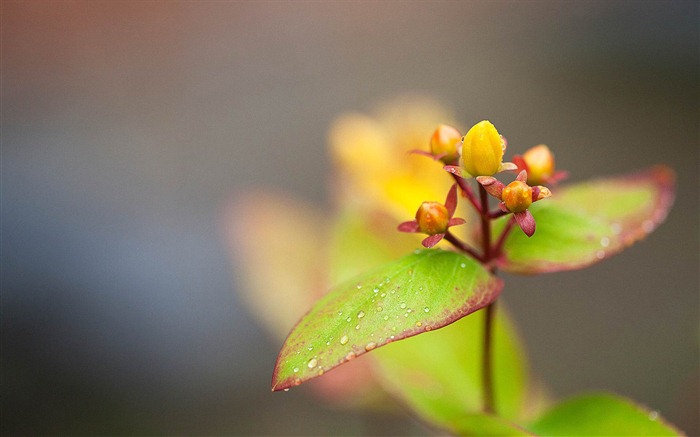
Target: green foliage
x=438 y=374
x=425 y=290
x=587 y=222
x=601 y=414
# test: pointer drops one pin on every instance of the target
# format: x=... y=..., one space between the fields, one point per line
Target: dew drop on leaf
x=605 y=242
x=403 y=305
x=361 y=314
x=344 y=339
x=426 y=309
x=370 y=346
x=312 y=363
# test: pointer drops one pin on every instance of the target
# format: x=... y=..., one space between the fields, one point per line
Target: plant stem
x=461 y=245
x=487 y=377
x=467 y=191
x=498 y=247
x=485 y=224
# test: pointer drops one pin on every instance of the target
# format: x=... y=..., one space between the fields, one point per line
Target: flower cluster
x=479 y=154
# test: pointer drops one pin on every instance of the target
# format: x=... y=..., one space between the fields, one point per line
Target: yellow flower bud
x=482 y=150
x=444 y=141
x=540 y=164
x=517 y=196
x=432 y=218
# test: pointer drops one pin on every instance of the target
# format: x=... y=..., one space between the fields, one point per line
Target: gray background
x=128 y=126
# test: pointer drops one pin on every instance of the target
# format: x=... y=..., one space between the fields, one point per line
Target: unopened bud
x=432 y=218
x=482 y=150
x=444 y=142
x=517 y=196
x=540 y=164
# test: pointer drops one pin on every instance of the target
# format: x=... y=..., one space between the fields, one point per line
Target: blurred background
x=128 y=127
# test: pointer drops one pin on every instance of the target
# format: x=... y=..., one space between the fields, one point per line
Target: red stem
x=461 y=245
x=464 y=185
x=498 y=248
x=487 y=376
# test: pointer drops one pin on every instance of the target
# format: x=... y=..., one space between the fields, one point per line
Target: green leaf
x=586 y=223
x=602 y=414
x=425 y=290
x=438 y=374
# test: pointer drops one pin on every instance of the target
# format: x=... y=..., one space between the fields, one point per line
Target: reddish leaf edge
x=473 y=304
x=660 y=175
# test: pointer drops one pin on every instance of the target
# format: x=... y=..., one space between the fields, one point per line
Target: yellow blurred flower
x=375 y=171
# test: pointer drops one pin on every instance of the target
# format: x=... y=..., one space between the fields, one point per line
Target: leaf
x=425 y=290
x=602 y=414
x=588 y=222
x=438 y=374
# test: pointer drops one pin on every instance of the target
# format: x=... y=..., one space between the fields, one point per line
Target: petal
x=522 y=176
x=520 y=162
x=502 y=206
x=526 y=222
x=451 y=200
x=426 y=154
x=456 y=221
x=410 y=226
x=432 y=240
x=508 y=166
x=457 y=171
x=492 y=185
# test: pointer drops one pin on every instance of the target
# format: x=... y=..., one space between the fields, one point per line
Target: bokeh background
x=128 y=127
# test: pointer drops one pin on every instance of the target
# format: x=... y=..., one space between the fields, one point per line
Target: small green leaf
x=417 y=293
x=586 y=223
x=439 y=374
x=602 y=414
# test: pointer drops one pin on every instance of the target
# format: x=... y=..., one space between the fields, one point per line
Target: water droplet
x=340 y=313
x=653 y=415
x=286 y=389
x=600 y=254
x=387 y=280
x=386 y=317
x=297 y=381
x=420 y=288
x=419 y=324
x=392 y=337
x=393 y=291
x=296 y=369
x=428 y=328
x=426 y=309
x=357 y=326
x=350 y=356
x=605 y=242
x=463 y=265
x=376 y=290
x=409 y=310
x=370 y=346
x=403 y=305
x=405 y=315
x=349 y=319
x=380 y=309
x=344 y=339
x=312 y=363
x=328 y=343
x=383 y=295
x=361 y=314
x=311 y=348
x=320 y=372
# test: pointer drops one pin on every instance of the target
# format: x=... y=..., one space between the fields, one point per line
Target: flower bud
x=540 y=164
x=482 y=150
x=517 y=196
x=432 y=218
x=444 y=142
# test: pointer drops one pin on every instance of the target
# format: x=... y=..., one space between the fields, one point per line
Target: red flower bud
x=517 y=196
x=433 y=218
x=444 y=142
